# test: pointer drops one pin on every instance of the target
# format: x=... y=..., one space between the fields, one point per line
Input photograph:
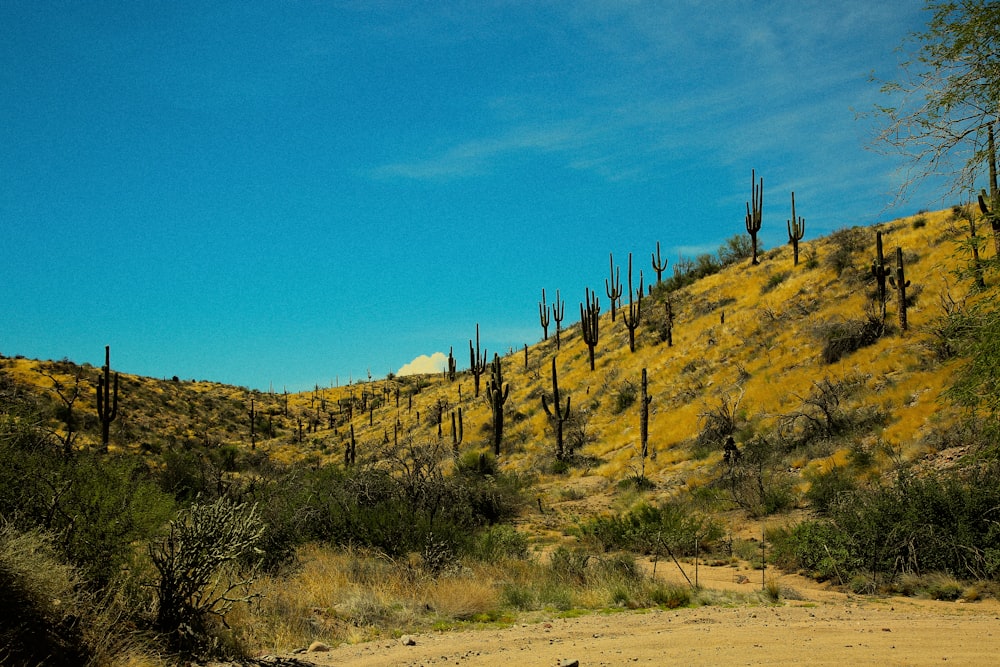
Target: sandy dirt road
x=829 y=632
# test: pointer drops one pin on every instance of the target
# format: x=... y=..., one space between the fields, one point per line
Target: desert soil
x=818 y=627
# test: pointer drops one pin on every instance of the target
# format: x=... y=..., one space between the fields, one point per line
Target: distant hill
x=794 y=359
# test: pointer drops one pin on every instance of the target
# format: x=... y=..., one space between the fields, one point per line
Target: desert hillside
x=751 y=418
x=767 y=347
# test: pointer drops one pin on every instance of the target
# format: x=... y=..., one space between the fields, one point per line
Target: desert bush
x=498 y=543
x=717 y=423
x=99 y=505
x=826 y=488
x=206 y=563
x=840 y=338
x=846 y=244
x=624 y=397
x=774 y=280
x=653 y=529
x=911 y=525
x=758 y=481
x=670 y=596
x=569 y=567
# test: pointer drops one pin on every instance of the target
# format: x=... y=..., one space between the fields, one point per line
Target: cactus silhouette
x=900 y=283
x=107 y=399
x=633 y=314
x=557 y=414
x=477 y=362
x=496 y=396
x=456 y=433
x=543 y=317
x=881 y=273
x=644 y=401
x=796 y=230
x=558 y=311
x=613 y=286
x=755 y=214
x=590 y=323
x=658 y=266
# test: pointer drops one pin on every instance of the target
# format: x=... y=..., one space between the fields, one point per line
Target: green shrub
x=845 y=337
x=500 y=542
x=653 y=529
x=569 y=567
x=519 y=597
x=826 y=488
x=774 y=280
x=670 y=596
x=625 y=397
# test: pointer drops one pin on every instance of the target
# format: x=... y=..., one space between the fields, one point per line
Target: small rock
x=569 y=662
x=407 y=640
x=318 y=647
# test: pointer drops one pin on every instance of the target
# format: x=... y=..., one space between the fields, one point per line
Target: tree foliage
x=946 y=99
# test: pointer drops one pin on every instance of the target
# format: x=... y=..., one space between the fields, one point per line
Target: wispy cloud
x=474 y=156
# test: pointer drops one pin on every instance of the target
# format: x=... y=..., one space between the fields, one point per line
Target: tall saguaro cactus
x=590 y=317
x=556 y=413
x=543 y=316
x=632 y=315
x=900 y=283
x=989 y=204
x=252 y=413
x=558 y=311
x=796 y=230
x=456 y=433
x=658 y=265
x=107 y=399
x=452 y=365
x=644 y=401
x=669 y=322
x=755 y=213
x=881 y=274
x=496 y=396
x=613 y=286
x=477 y=362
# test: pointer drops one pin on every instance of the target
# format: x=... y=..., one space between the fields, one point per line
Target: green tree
x=946 y=99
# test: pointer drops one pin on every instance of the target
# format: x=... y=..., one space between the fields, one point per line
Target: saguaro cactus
x=107 y=399
x=900 y=283
x=632 y=315
x=496 y=396
x=590 y=317
x=477 y=362
x=881 y=273
x=614 y=288
x=350 y=449
x=755 y=214
x=543 y=317
x=457 y=433
x=452 y=365
x=974 y=241
x=796 y=230
x=558 y=311
x=990 y=204
x=669 y=323
x=252 y=413
x=557 y=414
x=658 y=265
x=644 y=401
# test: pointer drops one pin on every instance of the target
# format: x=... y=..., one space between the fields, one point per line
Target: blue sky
x=295 y=192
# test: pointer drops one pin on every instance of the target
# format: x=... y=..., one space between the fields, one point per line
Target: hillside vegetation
x=825 y=396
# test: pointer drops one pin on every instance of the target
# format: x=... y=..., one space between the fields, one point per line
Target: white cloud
x=435 y=363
